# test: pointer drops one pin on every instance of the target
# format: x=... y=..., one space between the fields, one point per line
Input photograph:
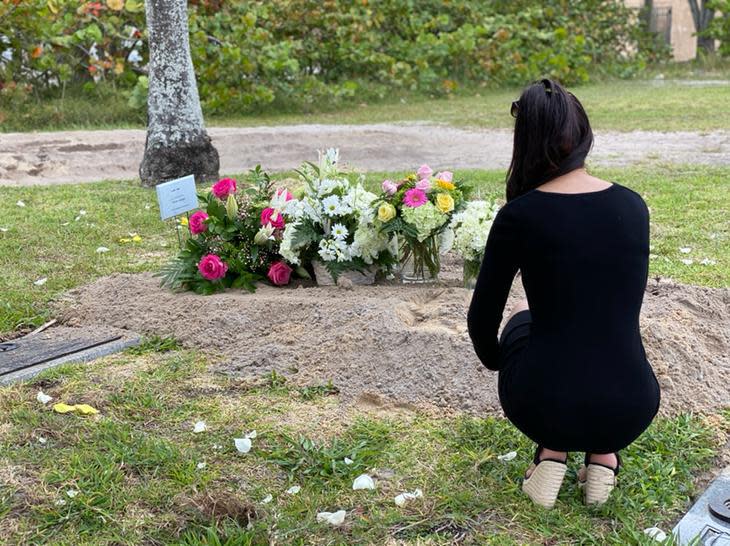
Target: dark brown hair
x=552 y=136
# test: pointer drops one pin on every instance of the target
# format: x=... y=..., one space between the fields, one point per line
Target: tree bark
x=702 y=17
x=177 y=142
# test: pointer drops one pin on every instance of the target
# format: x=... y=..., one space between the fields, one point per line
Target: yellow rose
x=443 y=184
x=386 y=212
x=444 y=202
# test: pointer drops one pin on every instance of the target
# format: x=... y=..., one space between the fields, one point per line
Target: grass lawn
x=616 y=105
x=136 y=473
x=50 y=239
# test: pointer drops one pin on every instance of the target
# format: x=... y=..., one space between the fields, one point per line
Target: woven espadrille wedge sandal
x=543 y=484
x=597 y=480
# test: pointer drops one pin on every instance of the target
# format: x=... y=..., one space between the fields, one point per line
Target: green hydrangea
x=427 y=219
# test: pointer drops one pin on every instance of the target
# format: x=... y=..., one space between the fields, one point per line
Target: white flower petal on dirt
x=41 y=281
x=707 y=261
x=687 y=261
x=293 y=490
x=363 y=481
x=20 y=203
x=42 y=440
x=267 y=499
x=400 y=500
x=656 y=533
x=243 y=445
x=507 y=457
x=43 y=398
x=333 y=518
x=200 y=426
x=201 y=466
x=685 y=250
x=71 y=493
x=60 y=502
x=250 y=435
x=102 y=249
x=348 y=461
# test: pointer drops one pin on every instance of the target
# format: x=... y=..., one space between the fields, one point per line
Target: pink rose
x=224 y=187
x=197 y=222
x=423 y=184
x=446 y=176
x=389 y=187
x=424 y=171
x=273 y=217
x=279 y=273
x=212 y=268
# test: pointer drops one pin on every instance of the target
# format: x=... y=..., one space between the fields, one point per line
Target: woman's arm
x=498 y=270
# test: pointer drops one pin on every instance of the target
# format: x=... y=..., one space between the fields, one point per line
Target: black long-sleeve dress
x=576 y=377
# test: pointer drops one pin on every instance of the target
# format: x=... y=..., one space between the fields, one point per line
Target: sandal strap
x=536 y=460
x=587 y=461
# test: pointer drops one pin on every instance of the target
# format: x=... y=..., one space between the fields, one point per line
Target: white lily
x=264 y=234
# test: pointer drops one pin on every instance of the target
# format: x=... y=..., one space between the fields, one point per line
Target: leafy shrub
x=719 y=28
x=293 y=54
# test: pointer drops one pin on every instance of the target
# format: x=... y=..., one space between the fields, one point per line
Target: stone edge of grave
x=698 y=518
x=87 y=355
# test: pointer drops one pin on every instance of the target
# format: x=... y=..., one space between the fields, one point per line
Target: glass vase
x=419 y=260
x=471 y=272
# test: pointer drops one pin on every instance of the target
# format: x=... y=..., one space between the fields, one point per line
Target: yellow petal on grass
x=116 y=5
x=63 y=408
x=86 y=409
x=136 y=239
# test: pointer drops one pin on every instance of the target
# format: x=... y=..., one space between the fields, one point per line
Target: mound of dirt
x=394 y=344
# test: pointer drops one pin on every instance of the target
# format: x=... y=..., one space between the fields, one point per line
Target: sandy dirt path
x=88 y=156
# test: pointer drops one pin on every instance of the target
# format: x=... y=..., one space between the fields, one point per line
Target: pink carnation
x=424 y=184
x=197 y=222
x=224 y=187
x=414 y=198
x=424 y=171
x=279 y=273
x=446 y=176
x=273 y=217
x=389 y=187
x=212 y=268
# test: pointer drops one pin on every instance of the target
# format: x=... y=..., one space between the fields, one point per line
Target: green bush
x=250 y=54
x=720 y=26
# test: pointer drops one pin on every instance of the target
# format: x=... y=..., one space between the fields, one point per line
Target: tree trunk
x=702 y=17
x=177 y=143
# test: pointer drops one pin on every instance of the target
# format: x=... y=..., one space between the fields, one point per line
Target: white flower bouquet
x=470 y=229
x=332 y=224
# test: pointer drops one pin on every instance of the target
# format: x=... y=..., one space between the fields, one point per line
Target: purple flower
x=424 y=171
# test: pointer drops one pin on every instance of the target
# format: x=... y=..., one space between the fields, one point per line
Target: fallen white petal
x=43 y=398
x=65 y=223
x=42 y=440
x=72 y=493
x=400 y=500
x=200 y=426
x=41 y=282
x=217 y=446
x=243 y=445
x=60 y=502
x=82 y=212
x=4 y=229
x=656 y=533
x=77 y=218
x=333 y=518
x=363 y=481
x=201 y=466
x=20 y=203
x=507 y=456
x=688 y=261
x=102 y=249
x=685 y=250
x=250 y=435
x=348 y=461
x=707 y=261
x=147 y=207
x=267 y=499
x=294 y=489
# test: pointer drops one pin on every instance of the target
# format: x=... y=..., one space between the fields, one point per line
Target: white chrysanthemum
x=327 y=250
x=327 y=186
x=339 y=231
x=331 y=205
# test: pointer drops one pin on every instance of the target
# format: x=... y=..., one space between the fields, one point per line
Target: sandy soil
x=89 y=156
x=395 y=345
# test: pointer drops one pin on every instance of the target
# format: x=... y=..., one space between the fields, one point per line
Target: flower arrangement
x=333 y=223
x=417 y=209
x=469 y=229
x=234 y=239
